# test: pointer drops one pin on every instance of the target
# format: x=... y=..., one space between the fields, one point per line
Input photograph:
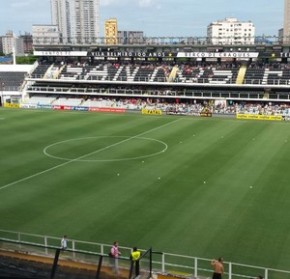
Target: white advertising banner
x=218 y=54
x=60 y=53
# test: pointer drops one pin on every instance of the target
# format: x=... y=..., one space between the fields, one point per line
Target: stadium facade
x=173 y=71
x=158 y=73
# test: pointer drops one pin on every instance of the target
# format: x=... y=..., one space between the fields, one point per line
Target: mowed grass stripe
x=233 y=196
x=27 y=143
x=39 y=185
x=177 y=213
x=183 y=170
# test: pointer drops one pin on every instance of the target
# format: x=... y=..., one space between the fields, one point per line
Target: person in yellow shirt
x=135 y=257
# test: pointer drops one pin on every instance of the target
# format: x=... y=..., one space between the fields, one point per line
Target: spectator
x=63 y=243
x=218 y=268
x=114 y=254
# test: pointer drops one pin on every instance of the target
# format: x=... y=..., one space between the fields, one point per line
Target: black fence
x=24 y=260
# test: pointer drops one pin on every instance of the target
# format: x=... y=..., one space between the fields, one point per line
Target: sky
x=156 y=18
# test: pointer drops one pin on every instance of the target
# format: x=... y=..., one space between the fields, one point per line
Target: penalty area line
x=84 y=156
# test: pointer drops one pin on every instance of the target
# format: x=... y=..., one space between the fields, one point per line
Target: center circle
x=105 y=149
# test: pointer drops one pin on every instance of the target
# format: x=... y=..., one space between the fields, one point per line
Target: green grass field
x=192 y=186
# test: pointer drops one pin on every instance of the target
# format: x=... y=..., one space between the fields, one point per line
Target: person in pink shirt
x=114 y=254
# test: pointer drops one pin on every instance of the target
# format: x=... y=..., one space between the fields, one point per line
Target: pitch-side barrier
x=162 y=263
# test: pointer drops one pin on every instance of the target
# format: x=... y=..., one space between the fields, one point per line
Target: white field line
x=84 y=156
x=107 y=160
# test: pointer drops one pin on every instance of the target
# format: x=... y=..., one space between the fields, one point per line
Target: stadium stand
x=12 y=79
x=12 y=76
x=41 y=100
x=41 y=69
x=168 y=106
x=185 y=86
x=186 y=73
x=68 y=101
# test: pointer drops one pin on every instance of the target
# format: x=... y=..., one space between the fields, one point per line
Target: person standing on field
x=218 y=268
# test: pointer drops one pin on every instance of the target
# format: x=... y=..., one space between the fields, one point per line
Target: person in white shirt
x=64 y=242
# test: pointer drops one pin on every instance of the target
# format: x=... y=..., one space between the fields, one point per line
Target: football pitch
x=198 y=187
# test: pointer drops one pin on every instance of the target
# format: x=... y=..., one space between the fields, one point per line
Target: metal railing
x=186 y=94
x=165 y=263
x=194 y=81
x=23 y=259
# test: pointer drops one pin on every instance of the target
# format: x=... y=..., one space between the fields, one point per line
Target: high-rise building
x=230 y=31
x=27 y=42
x=111 y=31
x=286 y=27
x=12 y=44
x=78 y=20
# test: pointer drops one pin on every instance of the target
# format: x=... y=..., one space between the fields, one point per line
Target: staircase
x=173 y=74
x=118 y=73
x=241 y=74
